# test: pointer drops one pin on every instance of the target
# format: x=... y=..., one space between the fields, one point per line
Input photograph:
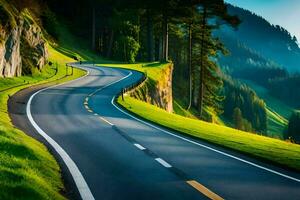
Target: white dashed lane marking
x=139 y=146
x=163 y=163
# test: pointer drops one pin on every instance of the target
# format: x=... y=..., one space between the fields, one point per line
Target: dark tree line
x=245 y=63
x=261 y=75
x=287 y=89
x=293 y=132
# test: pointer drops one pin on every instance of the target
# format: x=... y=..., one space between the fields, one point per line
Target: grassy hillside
x=273 y=150
x=269 y=149
x=23 y=160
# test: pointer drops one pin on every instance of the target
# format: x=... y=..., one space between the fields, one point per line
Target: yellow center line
x=89 y=110
x=201 y=188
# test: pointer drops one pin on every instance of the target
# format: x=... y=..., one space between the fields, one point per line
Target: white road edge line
x=163 y=163
x=139 y=146
x=204 y=146
x=78 y=178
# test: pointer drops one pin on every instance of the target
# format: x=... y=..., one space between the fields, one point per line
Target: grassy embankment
x=27 y=169
x=269 y=149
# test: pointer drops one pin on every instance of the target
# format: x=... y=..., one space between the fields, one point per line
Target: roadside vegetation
x=294 y=127
x=156 y=32
x=269 y=149
x=27 y=169
x=272 y=150
x=153 y=70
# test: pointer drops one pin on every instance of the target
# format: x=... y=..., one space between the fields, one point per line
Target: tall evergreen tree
x=209 y=82
x=293 y=132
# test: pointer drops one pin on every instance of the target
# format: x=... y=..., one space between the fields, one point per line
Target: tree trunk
x=149 y=36
x=124 y=53
x=101 y=43
x=93 y=28
x=167 y=43
x=156 y=49
x=190 y=66
x=165 y=38
x=111 y=40
x=161 y=47
x=201 y=83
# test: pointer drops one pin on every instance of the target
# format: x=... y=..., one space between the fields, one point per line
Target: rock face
x=22 y=48
x=158 y=92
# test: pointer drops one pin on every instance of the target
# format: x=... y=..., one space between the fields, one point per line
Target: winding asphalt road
x=112 y=155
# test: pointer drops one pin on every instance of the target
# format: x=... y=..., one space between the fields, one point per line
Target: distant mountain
x=258 y=43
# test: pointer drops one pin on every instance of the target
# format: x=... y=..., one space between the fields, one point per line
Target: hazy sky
x=285 y=13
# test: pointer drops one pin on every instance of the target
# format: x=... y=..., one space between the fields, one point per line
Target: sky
x=285 y=13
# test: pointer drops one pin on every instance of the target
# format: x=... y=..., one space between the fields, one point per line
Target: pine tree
x=208 y=80
x=293 y=132
x=237 y=118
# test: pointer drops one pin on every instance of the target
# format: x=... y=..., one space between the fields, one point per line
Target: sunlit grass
x=154 y=70
x=178 y=109
x=273 y=150
x=27 y=169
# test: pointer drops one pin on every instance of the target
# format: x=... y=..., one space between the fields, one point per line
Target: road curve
x=119 y=157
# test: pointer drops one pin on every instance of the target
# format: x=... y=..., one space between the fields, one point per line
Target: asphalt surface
x=120 y=157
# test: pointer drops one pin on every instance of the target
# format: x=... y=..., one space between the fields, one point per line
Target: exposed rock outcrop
x=22 y=47
x=158 y=92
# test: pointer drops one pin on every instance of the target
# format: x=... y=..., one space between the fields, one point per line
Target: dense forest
x=244 y=107
x=286 y=89
x=243 y=62
x=268 y=56
x=294 y=127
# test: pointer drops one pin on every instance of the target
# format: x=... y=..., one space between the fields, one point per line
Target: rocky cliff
x=157 y=92
x=22 y=46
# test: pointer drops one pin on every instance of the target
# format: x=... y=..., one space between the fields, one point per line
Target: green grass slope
x=154 y=70
x=265 y=148
x=274 y=150
x=27 y=169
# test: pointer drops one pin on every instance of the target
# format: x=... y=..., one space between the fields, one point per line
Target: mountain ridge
x=272 y=42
